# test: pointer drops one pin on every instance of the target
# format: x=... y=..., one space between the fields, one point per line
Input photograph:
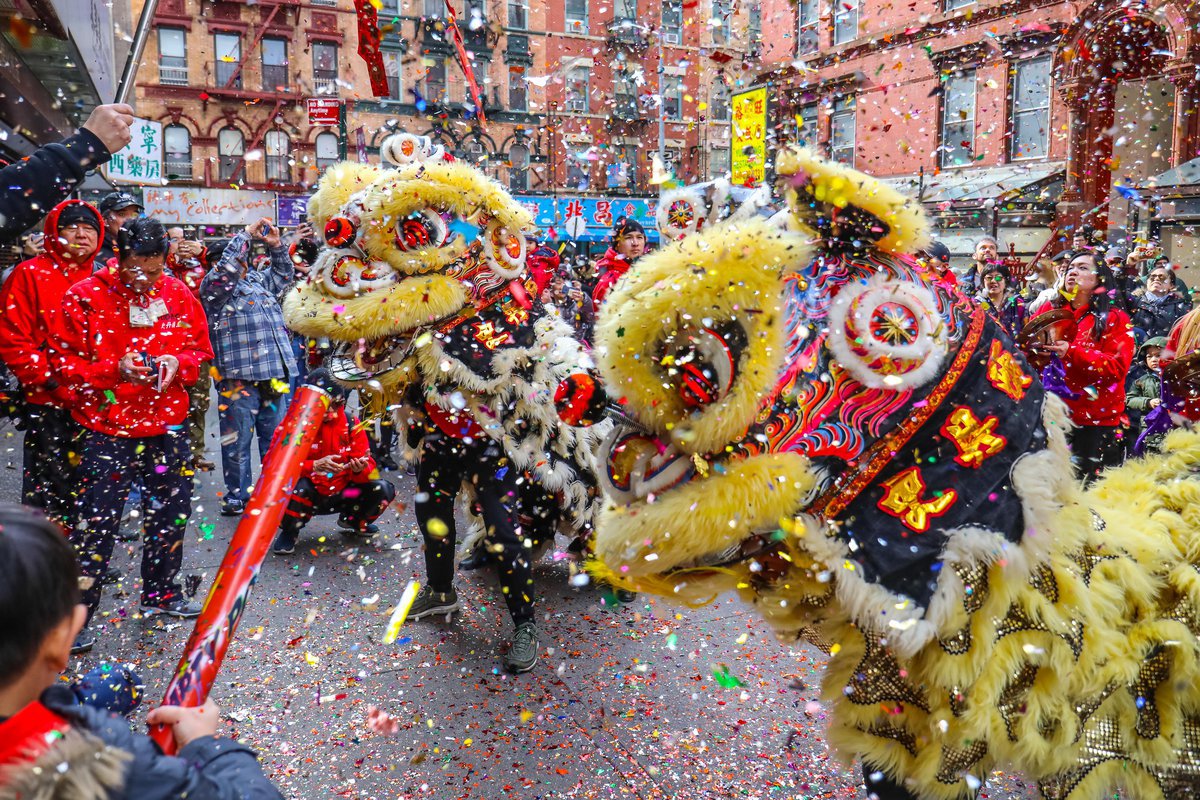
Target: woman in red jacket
x=1095 y=362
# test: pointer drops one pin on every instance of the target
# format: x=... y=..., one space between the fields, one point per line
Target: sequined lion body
x=424 y=291
x=866 y=458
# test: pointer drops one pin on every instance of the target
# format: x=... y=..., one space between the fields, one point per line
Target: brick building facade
x=571 y=88
x=1003 y=116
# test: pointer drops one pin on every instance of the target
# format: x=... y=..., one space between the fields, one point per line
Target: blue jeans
x=248 y=408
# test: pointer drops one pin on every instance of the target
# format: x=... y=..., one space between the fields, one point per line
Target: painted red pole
x=216 y=624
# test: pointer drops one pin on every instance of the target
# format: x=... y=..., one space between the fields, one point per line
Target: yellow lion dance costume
x=871 y=463
x=424 y=290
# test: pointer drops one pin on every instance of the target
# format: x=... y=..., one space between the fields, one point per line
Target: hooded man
x=629 y=243
x=32 y=303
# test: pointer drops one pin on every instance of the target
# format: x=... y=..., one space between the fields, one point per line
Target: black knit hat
x=626 y=226
x=79 y=214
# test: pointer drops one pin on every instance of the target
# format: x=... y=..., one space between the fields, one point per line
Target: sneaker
x=523 y=651
x=351 y=529
x=174 y=606
x=232 y=508
x=285 y=543
x=478 y=559
x=112 y=575
x=204 y=465
x=84 y=642
x=430 y=603
x=389 y=464
x=626 y=596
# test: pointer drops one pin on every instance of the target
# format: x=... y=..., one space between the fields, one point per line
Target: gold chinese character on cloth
x=1006 y=374
x=975 y=439
x=903 y=499
x=491 y=338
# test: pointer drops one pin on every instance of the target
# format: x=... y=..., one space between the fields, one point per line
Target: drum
x=1048 y=327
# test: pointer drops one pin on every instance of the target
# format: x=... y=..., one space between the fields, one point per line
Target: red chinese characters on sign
x=603 y=216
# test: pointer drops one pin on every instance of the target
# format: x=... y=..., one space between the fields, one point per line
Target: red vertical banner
x=368 y=46
x=465 y=63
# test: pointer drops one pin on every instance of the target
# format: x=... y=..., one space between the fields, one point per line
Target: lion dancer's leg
x=879 y=786
x=444 y=463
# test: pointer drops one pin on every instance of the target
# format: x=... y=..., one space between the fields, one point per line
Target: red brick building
x=1004 y=117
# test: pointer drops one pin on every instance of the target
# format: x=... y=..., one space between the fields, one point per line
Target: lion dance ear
x=849 y=209
x=337 y=185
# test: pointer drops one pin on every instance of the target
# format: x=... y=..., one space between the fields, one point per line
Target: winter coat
x=1096 y=370
x=105 y=759
x=339 y=435
x=1011 y=315
x=1137 y=403
x=46 y=178
x=611 y=266
x=96 y=335
x=1154 y=317
x=32 y=302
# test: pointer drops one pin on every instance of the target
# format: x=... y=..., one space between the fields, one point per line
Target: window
x=274 y=64
x=177 y=152
x=722 y=10
x=231 y=147
x=327 y=150
x=806 y=133
x=845 y=21
x=325 y=67
x=1030 y=109
x=518 y=168
x=719 y=102
x=172 y=56
x=577 y=16
x=578 y=170
x=958 y=119
x=950 y=5
x=227 y=49
x=808 y=39
x=392 y=68
x=389 y=10
x=278 y=152
x=754 y=26
x=841 y=131
x=435 y=8
x=329 y=3
x=672 y=96
x=672 y=21
x=475 y=153
x=518 y=14
x=625 y=9
x=578 y=96
x=627 y=163
x=625 y=102
x=718 y=163
x=518 y=92
x=434 y=85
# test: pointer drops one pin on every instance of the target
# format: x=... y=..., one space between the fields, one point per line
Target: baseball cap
x=115 y=201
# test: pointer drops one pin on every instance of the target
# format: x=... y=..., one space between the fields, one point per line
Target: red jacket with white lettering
x=97 y=333
x=343 y=436
x=31 y=301
x=1096 y=370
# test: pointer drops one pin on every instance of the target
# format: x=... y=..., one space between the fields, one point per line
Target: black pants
x=1096 y=448
x=50 y=454
x=109 y=468
x=359 y=503
x=879 y=785
x=445 y=462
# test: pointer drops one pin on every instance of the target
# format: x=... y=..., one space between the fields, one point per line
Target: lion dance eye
x=340 y=231
x=421 y=230
x=706 y=363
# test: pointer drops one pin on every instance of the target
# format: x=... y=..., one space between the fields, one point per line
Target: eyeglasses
x=1158 y=276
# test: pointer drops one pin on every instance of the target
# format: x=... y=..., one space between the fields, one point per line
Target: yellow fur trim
x=457 y=188
x=840 y=186
x=373 y=315
x=728 y=272
x=335 y=188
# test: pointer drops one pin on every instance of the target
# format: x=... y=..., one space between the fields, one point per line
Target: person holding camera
x=131 y=340
x=254 y=355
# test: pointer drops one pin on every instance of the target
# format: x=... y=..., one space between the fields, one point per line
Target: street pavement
x=630 y=701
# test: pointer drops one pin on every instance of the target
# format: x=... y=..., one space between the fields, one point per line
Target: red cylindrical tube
x=216 y=624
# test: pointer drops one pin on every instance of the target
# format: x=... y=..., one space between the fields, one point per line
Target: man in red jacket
x=132 y=340
x=32 y=303
x=629 y=243
x=339 y=475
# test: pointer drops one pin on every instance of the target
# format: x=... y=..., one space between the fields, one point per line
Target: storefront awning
x=1186 y=174
x=972 y=186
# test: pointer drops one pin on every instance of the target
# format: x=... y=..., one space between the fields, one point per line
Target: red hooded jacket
x=339 y=435
x=96 y=335
x=613 y=265
x=1097 y=370
x=32 y=302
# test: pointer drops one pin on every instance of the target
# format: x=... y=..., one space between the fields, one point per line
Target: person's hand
x=111 y=124
x=189 y=249
x=328 y=465
x=133 y=370
x=358 y=464
x=1059 y=348
x=304 y=231
x=169 y=365
x=1155 y=402
x=265 y=230
x=188 y=724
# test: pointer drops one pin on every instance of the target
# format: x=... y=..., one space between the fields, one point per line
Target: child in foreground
x=54 y=748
